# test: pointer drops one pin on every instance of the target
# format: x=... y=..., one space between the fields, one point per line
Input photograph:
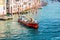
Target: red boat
x=28 y=24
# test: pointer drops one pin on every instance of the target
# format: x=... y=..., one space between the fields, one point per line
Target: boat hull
x=29 y=24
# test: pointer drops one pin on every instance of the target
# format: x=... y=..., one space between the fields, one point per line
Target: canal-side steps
x=3 y=18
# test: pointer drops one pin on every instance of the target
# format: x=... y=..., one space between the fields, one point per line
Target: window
x=29 y=3
x=29 y=0
x=7 y=0
x=4 y=8
x=16 y=0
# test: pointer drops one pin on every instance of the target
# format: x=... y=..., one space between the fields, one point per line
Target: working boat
x=27 y=11
x=29 y=23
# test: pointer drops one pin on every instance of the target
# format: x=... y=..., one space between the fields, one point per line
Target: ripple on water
x=55 y=38
x=49 y=29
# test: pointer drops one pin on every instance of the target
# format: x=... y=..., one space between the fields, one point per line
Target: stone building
x=14 y=6
x=2 y=7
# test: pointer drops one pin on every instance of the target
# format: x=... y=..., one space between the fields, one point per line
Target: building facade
x=14 y=6
x=2 y=7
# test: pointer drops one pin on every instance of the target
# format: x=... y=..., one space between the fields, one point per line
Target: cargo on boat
x=28 y=22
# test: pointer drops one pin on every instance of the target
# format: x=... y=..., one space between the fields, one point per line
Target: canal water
x=49 y=26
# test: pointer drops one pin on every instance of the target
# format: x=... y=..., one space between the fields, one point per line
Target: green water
x=49 y=26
